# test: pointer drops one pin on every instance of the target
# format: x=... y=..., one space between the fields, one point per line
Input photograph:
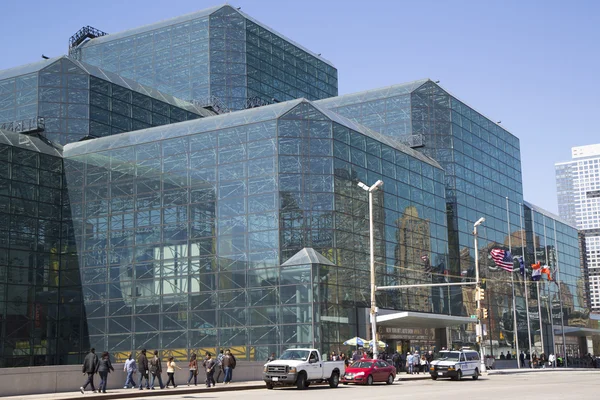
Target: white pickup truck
x=300 y=368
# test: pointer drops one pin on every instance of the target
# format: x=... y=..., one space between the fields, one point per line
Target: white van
x=455 y=364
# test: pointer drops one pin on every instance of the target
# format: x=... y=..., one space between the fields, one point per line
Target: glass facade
x=216 y=55
x=173 y=228
x=182 y=235
x=564 y=301
x=41 y=306
x=482 y=169
x=79 y=101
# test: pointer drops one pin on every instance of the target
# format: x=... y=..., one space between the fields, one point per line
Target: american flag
x=503 y=259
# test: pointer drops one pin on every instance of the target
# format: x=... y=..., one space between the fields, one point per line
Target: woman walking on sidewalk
x=104 y=368
x=193 y=370
x=171 y=372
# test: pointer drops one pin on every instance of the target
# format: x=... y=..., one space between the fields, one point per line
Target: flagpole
x=525 y=282
x=557 y=277
x=512 y=280
x=549 y=306
x=537 y=283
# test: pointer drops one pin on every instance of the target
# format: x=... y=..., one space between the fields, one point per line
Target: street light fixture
x=371 y=190
x=478 y=298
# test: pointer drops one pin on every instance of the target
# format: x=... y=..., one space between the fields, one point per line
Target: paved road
x=546 y=386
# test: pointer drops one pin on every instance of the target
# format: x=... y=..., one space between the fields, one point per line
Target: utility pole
x=478 y=296
x=371 y=190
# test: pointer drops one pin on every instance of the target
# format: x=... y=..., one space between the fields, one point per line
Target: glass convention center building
x=191 y=185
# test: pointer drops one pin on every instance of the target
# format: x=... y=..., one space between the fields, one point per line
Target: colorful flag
x=536 y=273
x=521 y=266
x=503 y=259
x=546 y=271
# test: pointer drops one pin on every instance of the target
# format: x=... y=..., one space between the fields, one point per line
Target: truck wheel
x=434 y=377
x=269 y=386
x=370 y=380
x=301 y=382
x=476 y=375
x=390 y=379
x=459 y=375
x=334 y=381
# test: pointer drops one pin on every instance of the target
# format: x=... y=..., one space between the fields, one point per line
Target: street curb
x=136 y=393
x=539 y=370
x=412 y=378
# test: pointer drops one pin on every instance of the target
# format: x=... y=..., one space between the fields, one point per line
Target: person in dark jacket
x=522 y=359
x=156 y=370
x=104 y=368
x=209 y=364
x=143 y=368
x=228 y=366
x=90 y=367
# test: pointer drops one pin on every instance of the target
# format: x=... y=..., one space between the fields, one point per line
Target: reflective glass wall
x=563 y=301
x=217 y=56
x=181 y=236
x=41 y=308
x=481 y=162
x=18 y=97
x=75 y=104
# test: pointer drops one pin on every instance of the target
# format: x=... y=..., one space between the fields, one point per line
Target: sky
x=530 y=64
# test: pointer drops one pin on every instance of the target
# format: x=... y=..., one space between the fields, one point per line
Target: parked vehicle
x=300 y=368
x=369 y=371
x=455 y=365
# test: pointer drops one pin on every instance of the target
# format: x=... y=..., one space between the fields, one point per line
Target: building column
x=441 y=338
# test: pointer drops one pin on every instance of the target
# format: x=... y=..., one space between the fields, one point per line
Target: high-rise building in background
x=206 y=197
x=578 y=190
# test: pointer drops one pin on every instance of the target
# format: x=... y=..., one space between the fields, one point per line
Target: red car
x=369 y=371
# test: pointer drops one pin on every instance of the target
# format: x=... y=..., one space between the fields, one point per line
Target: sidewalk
x=136 y=393
x=403 y=377
x=538 y=370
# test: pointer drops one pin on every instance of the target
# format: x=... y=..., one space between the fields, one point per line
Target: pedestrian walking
x=144 y=369
x=552 y=360
x=130 y=369
x=229 y=363
x=423 y=364
x=156 y=370
x=209 y=364
x=104 y=368
x=219 y=366
x=522 y=359
x=90 y=367
x=171 y=372
x=193 y=366
x=416 y=362
x=409 y=364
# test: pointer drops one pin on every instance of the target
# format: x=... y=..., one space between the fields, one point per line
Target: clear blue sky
x=530 y=64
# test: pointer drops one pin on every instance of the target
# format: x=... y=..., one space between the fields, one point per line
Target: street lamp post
x=371 y=190
x=478 y=297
